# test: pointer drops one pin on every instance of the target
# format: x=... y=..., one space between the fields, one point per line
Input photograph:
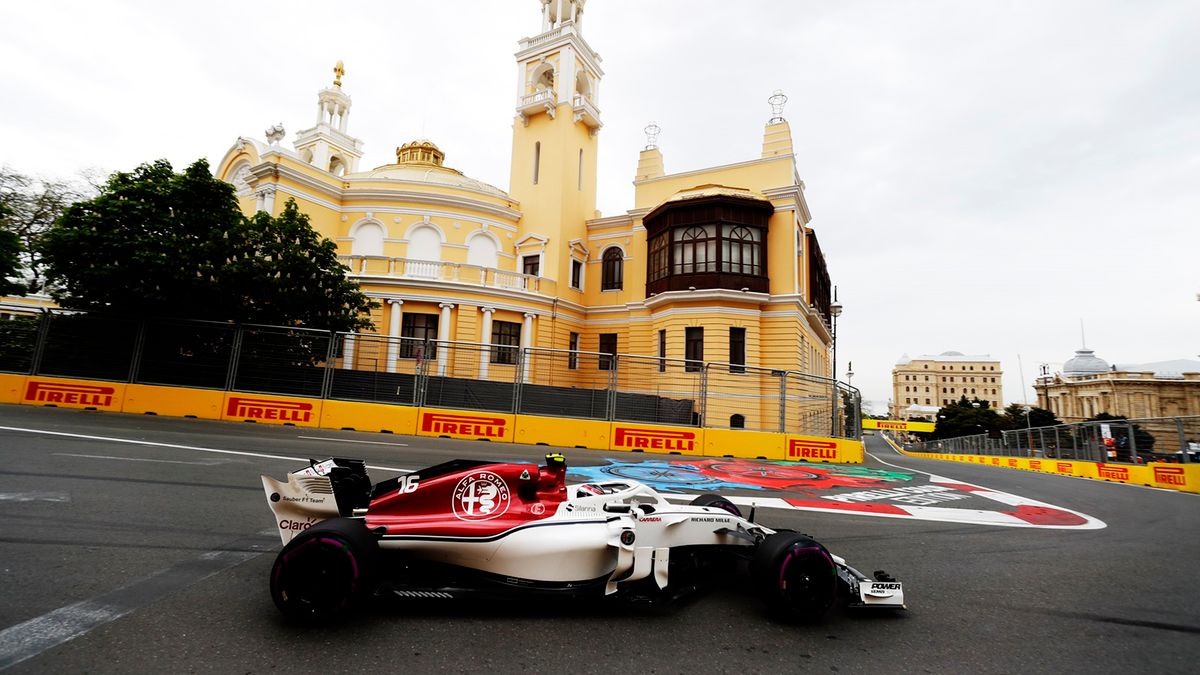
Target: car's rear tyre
x=795 y=576
x=717 y=501
x=325 y=572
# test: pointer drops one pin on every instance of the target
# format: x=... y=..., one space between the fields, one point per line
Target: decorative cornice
x=712 y=169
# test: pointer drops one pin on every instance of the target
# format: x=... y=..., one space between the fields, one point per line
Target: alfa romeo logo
x=481 y=495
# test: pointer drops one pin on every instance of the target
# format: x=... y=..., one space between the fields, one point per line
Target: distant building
x=1088 y=386
x=922 y=385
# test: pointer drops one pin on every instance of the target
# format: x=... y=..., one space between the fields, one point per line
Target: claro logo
x=1170 y=475
x=1113 y=472
x=654 y=439
x=78 y=394
x=799 y=448
x=269 y=409
x=477 y=426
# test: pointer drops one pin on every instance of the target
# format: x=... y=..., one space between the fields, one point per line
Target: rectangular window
x=662 y=351
x=608 y=345
x=576 y=274
x=693 y=348
x=530 y=265
x=506 y=340
x=419 y=327
x=573 y=345
x=737 y=350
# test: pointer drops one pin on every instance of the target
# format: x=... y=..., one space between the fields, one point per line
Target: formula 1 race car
x=468 y=527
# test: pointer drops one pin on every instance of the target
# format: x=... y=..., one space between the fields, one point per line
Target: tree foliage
x=10 y=256
x=156 y=243
x=1015 y=417
x=966 y=418
x=33 y=205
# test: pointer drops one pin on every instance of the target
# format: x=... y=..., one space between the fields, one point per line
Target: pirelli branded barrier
x=434 y=422
x=1182 y=477
x=897 y=425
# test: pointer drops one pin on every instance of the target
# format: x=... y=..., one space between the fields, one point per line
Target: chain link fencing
x=368 y=367
x=1172 y=439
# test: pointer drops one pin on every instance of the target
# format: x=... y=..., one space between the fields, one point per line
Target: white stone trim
x=424 y=223
x=715 y=169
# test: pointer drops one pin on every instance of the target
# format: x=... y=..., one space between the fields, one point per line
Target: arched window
x=740 y=253
x=695 y=249
x=368 y=240
x=336 y=166
x=482 y=251
x=659 y=260
x=424 y=251
x=612 y=276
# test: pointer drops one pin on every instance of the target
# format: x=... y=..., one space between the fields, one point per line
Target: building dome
x=420 y=151
x=1085 y=362
x=951 y=354
x=421 y=162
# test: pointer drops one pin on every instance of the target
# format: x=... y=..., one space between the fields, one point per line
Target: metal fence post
x=703 y=395
x=235 y=354
x=139 y=343
x=327 y=376
x=783 y=401
x=519 y=379
x=611 y=413
x=1185 y=456
x=39 y=348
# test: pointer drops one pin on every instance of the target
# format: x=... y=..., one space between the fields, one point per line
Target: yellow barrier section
x=565 y=432
x=1182 y=477
x=466 y=424
x=144 y=399
x=66 y=393
x=271 y=409
x=821 y=449
x=741 y=443
x=361 y=416
x=11 y=388
x=897 y=425
x=633 y=437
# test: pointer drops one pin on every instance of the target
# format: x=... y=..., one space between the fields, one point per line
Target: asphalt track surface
x=119 y=556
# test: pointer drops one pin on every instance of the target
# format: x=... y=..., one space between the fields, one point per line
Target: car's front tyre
x=795 y=576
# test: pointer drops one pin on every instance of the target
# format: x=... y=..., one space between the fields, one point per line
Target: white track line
x=173 y=446
x=350 y=440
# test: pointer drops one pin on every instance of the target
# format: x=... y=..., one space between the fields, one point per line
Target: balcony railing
x=586 y=111
x=474 y=275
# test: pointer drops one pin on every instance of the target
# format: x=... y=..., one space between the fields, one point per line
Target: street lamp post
x=835 y=310
x=1029 y=427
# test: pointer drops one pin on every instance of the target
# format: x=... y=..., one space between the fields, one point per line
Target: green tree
x=1015 y=417
x=966 y=418
x=33 y=205
x=10 y=256
x=156 y=243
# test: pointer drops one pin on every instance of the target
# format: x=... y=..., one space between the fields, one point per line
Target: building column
x=485 y=337
x=443 y=351
x=393 y=352
x=265 y=199
x=526 y=342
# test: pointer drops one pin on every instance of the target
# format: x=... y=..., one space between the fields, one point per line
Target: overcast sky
x=982 y=175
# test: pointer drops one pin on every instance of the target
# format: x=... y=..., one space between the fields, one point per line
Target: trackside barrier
x=434 y=422
x=1181 y=477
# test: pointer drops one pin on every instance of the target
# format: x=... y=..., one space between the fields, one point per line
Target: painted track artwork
x=842 y=489
x=738 y=474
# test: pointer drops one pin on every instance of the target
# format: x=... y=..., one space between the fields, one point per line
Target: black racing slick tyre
x=717 y=501
x=795 y=576
x=325 y=572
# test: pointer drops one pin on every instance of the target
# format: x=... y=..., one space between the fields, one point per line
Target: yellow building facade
x=711 y=265
x=1087 y=386
x=922 y=385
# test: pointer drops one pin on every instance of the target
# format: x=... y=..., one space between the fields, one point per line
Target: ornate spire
x=338 y=71
x=777 y=101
